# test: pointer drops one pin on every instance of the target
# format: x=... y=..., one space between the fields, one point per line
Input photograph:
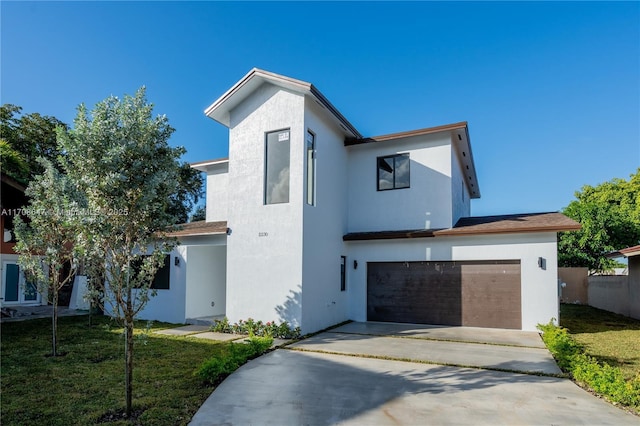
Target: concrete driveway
x=401 y=374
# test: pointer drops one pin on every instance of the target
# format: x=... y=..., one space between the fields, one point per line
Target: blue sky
x=551 y=90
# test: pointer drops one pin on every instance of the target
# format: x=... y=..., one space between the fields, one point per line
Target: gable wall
x=217 y=194
x=426 y=204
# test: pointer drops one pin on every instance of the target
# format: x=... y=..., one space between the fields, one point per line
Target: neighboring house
x=15 y=291
x=312 y=223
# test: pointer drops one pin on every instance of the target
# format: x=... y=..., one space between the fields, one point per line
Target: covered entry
x=469 y=293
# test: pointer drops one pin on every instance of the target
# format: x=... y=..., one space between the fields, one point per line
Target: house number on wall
x=263 y=234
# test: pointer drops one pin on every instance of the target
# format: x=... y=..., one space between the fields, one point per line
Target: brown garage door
x=475 y=294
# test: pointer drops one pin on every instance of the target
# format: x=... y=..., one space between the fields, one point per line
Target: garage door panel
x=491 y=295
x=448 y=293
x=400 y=290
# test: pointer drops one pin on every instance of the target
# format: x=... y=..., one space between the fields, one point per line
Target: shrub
x=600 y=377
x=257 y=328
x=215 y=369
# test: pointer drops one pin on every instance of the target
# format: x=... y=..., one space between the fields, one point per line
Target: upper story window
x=276 y=177
x=311 y=168
x=393 y=172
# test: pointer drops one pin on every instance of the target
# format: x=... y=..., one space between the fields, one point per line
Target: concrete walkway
x=304 y=384
x=23 y=313
x=202 y=332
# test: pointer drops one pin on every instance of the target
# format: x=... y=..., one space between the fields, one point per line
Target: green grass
x=87 y=384
x=608 y=337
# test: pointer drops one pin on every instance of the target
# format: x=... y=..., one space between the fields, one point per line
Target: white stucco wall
x=189 y=287
x=206 y=281
x=324 y=225
x=426 y=204
x=539 y=290
x=217 y=192
x=169 y=305
x=264 y=250
x=461 y=203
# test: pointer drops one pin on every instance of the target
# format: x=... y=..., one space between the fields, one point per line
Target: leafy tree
x=27 y=137
x=119 y=157
x=190 y=189
x=13 y=162
x=199 y=214
x=49 y=232
x=32 y=136
x=610 y=218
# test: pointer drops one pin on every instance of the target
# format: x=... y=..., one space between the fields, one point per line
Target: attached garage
x=468 y=293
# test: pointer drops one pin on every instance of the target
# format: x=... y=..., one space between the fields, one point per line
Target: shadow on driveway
x=289 y=387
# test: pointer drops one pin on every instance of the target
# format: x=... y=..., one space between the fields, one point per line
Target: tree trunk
x=128 y=369
x=54 y=323
x=128 y=353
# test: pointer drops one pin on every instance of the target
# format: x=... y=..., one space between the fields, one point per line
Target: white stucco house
x=310 y=222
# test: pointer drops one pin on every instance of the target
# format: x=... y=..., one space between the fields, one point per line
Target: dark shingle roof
x=199 y=228
x=479 y=225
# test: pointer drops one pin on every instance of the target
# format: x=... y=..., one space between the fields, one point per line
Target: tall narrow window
x=311 y=168
x=276 y=179
x=393 y=172
x=343 y=273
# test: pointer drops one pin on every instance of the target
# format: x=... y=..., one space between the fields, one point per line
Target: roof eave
x=205 y=166
x=460 y=232
x=220 y=109
x=459 y=133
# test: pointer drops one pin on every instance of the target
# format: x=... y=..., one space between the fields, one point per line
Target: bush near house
x=257 y=328
x=215 y=369
x=602 y=378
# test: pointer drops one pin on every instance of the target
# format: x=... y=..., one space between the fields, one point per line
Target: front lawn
x=86 y=386
x=608 y=337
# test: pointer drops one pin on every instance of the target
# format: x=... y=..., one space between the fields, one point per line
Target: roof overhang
x=12 y=182
x=209 y=165
x=626 y=252
x=459 y=133
x=220 y=110
x=481 y=225
x=200 y=228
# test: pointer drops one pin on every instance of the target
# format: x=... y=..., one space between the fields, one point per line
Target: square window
x=393 y=172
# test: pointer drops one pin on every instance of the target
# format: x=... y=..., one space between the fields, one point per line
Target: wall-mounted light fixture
x=228 y=231
x=355 y=264
x=542 y=263
x=176 y=261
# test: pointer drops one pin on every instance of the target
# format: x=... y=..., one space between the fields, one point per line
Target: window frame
x=265 y=199
x=343 y=273
x=311 y=168
x=165 y=268
x=394 y=157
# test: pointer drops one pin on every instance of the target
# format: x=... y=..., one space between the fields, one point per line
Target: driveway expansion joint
x=429 y=362
x=435 y=339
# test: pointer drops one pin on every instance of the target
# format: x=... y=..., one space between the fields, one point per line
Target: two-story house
x=310 y=222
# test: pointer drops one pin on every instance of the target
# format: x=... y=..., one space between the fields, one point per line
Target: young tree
x=46 y=241
x=610 y=218
x=120 y=158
